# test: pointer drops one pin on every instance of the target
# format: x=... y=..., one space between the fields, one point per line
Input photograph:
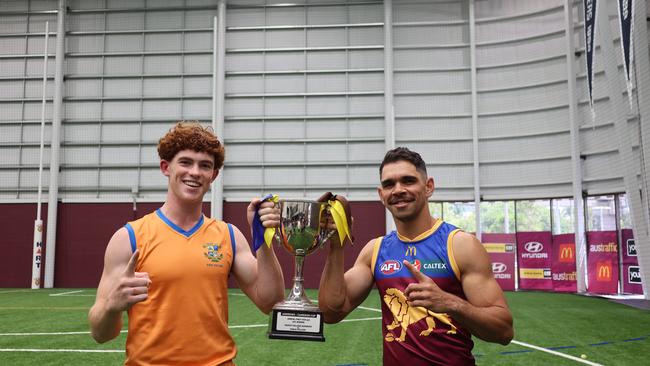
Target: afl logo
x=390 y=266
x=534 y=247
x=499 y=267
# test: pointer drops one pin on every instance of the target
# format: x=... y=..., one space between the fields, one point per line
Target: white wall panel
x=162 y=87
x=83 y=88
x=524 y=123
x=124 y=65
x=76 y=132
x=442 y=105
x=366 y=151
x=424 y=11
x=129 y=109
x=196 y=110
x=83 y=110
x=74 y=155
x=528 y=148
x=288 y=177
x=87 y=65
x=436 y=129
x=431 y=58
x=431 y=35
x=432 y=81
x=122 y=87
x=523 y=99
x=119 y=132
x=9 y=155
x=123 y=42
x=160 y=109
x=78 y=178
x=530 y=173
x=524 y=74
x=325 y=175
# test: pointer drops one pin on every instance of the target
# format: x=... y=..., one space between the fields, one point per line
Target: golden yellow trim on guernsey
x=375 y=252
x=435 y=227
x=450 y=253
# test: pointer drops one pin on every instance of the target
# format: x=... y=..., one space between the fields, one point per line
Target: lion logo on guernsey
x=405 y=315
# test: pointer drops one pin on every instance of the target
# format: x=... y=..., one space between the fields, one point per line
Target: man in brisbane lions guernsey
x=169 y=270
x=435 y=281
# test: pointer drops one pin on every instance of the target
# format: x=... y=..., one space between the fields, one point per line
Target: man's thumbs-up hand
x=132 y=287
x=426 y=293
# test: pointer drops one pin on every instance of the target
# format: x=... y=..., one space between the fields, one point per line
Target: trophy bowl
x=300 y=231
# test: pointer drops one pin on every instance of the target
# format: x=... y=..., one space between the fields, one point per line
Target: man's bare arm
x=119 y=288
x=340 y=293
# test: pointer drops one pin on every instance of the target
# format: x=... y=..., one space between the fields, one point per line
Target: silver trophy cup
x=300 y=233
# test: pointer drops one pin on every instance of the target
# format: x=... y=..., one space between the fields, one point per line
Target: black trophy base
x=297 y=325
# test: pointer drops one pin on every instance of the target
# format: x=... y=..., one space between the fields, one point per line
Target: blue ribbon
x=258 y=228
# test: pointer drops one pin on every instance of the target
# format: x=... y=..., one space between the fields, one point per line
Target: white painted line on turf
x=62 y=350
x=577 y=359
x=66 y=293
x=359 y=320
x=47 y=333
x=371 y=309
x=14 y=291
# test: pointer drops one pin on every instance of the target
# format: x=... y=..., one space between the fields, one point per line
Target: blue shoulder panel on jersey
x=129 y=228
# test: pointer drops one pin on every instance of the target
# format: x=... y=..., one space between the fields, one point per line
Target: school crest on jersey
x=212 y=252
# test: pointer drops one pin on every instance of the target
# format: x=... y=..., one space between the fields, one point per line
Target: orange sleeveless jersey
x=184 y=321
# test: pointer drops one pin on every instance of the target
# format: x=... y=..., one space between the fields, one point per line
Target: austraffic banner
x=602 y=262
x=564 y=263
x=534 y=255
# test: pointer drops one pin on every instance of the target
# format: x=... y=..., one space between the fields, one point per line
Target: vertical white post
x=576 y=165
x=472 y=61
x=218 y=95
x=389 y=107
x=38 y=223
x=57 y=112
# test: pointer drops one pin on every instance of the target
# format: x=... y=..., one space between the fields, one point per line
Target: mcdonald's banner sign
x=631 y=275
x=602 y=262
x=535 y=262
x=501 y=249
x=564 y=263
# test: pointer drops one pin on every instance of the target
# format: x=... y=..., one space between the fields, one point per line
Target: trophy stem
x=297 y=291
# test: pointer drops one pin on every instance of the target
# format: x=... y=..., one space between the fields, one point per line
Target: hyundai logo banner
x=535 y=262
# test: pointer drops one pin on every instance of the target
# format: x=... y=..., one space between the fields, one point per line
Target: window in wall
x=533 y=215
x=498 y=217
x=460 y=214
x=624 y=208
x=601 y=213
x=562 y=209
x=435 y=208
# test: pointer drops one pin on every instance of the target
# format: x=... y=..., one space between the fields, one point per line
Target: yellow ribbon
x=340 y=220
x=269 y=232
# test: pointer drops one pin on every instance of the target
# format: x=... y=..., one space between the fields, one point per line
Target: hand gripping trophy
x=303 y=229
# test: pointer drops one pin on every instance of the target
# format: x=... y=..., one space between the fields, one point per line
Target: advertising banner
x=590 y=31
x=564 y=263
x=501 y=249
x=602 y=262
x=534 y=256
x=631 y=275
x=626 y=23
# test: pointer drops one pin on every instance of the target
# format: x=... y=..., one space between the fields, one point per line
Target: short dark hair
x=404 y=154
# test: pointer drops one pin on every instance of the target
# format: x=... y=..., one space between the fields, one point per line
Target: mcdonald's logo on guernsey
x=604 y=271
x=411 y=251
x=567 y=253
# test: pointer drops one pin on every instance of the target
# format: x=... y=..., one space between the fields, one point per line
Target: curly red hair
x=191 y=135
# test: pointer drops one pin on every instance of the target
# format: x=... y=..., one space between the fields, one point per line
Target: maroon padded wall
x=84 y=230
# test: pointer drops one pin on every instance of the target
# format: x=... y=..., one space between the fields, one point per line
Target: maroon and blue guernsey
x=415 y=335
